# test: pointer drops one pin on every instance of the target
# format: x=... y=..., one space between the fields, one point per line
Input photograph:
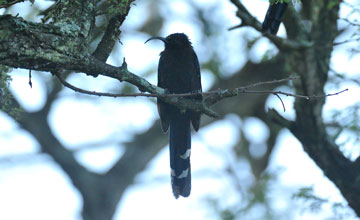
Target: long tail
x=180 y=148
x=273 y=17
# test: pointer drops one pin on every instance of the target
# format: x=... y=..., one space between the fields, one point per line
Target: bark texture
x=63 y=46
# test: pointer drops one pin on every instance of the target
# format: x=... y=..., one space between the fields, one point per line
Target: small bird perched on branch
x=179 y=72
x=273 y=17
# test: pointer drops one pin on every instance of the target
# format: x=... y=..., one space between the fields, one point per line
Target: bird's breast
x=175 y=69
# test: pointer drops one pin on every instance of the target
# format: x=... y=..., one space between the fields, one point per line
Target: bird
x=179 y=72
x=273 y=17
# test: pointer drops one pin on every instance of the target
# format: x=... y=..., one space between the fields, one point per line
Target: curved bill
x=163 y=39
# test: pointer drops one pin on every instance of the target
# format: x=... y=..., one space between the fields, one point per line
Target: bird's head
x=174 y=41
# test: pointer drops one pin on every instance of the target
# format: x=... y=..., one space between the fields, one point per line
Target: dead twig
x=214 y=96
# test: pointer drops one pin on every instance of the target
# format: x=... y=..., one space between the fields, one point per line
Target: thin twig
x=277 y=95
x=346 y=41
x=197 y=106
x=241 y=89
x=30 y=83
x=291 y=78
x=235 y=91
x=350 y=22
x=235 y=27
x=76 y=89
x=247 y=19
x=307 y=97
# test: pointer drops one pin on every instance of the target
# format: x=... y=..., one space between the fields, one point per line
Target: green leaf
x=332 y=4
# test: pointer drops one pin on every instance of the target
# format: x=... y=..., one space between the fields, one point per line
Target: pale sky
x=36 y=189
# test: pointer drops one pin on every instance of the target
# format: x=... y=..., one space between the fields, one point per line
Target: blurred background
x=243 y=167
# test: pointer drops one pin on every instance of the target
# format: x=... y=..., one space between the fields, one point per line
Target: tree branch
x=111 y=35
x=234 y=92
x=60 y=45
x=8 y=4
x=61 y=49
x=274 y=116
x=312 y=65
x=215 y=96
x=248 y=20
x=58 y=51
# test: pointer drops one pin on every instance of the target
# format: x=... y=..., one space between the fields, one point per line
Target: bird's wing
x=162 y=106
x=196 y=87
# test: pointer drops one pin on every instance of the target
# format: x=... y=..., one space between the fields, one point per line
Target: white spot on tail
x=186 y=155
x=183 y=174
x=173 y=172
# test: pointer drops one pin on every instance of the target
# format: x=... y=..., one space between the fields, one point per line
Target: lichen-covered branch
x=247 y=19
x=49 y=48
x=111 y=34
x=63 y=46
x=312 y=65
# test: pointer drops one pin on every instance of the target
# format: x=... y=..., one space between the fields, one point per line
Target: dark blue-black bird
x=179 y=72
x=273 y=17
